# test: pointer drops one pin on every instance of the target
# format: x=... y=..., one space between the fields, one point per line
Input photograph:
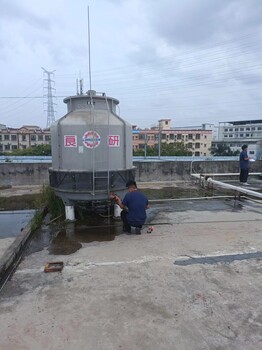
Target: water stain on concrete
x=211 y=260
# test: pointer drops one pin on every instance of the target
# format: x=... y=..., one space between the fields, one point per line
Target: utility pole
x=48 y=95
x=145 y=145
x=159 y=140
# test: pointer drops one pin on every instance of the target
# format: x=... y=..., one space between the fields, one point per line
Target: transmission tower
x=48 y=93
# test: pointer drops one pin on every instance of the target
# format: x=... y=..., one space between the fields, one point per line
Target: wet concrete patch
x=67 y=238
x=211 y=260
x=12 y=222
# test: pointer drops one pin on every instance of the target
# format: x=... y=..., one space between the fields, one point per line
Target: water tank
x=91 y=150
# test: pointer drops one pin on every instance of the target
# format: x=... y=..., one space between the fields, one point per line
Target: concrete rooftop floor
x=128 y=293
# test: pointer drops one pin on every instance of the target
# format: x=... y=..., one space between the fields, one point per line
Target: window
x=171 y=136
x=7 y=147
x=166 y=122
x=205 y=144
x=23 y=137
x=13 y=137
x=205 y=136
x=225 y=135
x=0 y=137
x=197 y=154
x=33 y=137
x=259 y=128
x=251 y=152
x=48 y=137
x=230 y=135
x=197 y=145
x=247 y=135
x=190 y=136
x=6 y=137
x=236 y=129
x=226 y=130
x=163 y=136
x=197 y=136
x=241 y=129
x=41 y=137
x=231 y=130
x=247 y=129
x=241 y=135
x=253 y=128
x=179 y=136
x=190 y=145
x=14 y=147
x=1 y=147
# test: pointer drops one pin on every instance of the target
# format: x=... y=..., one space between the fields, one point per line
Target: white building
x=236 y=133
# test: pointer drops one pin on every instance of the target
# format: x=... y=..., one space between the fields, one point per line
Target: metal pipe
x=187 y=198
x=235 y=188
x=222 y=174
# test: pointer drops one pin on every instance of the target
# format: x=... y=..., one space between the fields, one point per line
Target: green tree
x=39 y=150
x=223 y=150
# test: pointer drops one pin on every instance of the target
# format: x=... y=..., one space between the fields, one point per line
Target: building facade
x=20 y=138
x=196 y=140
x=236 y=133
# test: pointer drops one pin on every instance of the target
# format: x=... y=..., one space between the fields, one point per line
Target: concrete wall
x=19 y=174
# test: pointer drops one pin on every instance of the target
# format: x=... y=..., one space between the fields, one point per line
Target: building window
x=179 y=137
x=1 y=147
x=190 y=136
x=171 y=136
x=6 y=137
x=259 y=128
x=14 y=146
x=0 y=137
x=197 y=136
x=197 y=154
x=226 y=130
x=241 y=129
x=247 y=129
x=23 y=137
x=205 y=144
x=251 y=152
x=189 y=145
x=197 y=145
x=48 y=137
x=225 y=135
x=236 y=129
x=13 y=137
x=241 y=135
x=253 y=129
x=230 y=135
x=33 y=137
x=205 y=136
x=247 y=135
x=7 y=147
x=231 y=130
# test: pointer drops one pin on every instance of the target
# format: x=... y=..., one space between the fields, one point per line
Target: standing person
x=244 y=165
x=134 y=207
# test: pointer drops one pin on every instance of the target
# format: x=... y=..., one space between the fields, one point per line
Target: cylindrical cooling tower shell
x=91 y=150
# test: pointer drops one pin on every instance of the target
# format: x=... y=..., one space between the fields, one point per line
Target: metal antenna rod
x=89 y=50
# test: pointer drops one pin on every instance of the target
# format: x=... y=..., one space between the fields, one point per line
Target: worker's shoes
x=246 y=184
x=138 y=231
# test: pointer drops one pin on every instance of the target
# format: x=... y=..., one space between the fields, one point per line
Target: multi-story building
x=236 y=133
x=196 y=140
x=24 y=137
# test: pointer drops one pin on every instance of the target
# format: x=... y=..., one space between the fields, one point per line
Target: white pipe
x=236 y=188
x=222 y=174
x=70 y=212
x=186 y=198
x=117 y=211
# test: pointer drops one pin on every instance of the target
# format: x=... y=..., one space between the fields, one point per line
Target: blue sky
x=192 y=61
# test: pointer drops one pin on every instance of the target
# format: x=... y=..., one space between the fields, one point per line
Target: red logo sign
x=91 y=139
x=114 y=140
x=70 y=141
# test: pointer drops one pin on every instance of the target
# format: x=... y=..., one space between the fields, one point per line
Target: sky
x=191 y=61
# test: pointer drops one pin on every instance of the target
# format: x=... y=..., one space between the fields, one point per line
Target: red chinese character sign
x=91 y=139
x=70 y=140
x=113 y=140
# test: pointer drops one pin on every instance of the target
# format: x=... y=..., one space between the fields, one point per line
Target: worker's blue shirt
x=244 y=164
x=136 y=202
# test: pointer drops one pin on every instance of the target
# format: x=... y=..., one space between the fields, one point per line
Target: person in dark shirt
x=244 y=165
x=134 y=207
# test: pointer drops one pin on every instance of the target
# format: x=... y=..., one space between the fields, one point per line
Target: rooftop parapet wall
x=19 y=174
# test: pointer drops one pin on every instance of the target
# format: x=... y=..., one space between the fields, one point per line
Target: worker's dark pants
x=126 y=224
x=243 y=175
